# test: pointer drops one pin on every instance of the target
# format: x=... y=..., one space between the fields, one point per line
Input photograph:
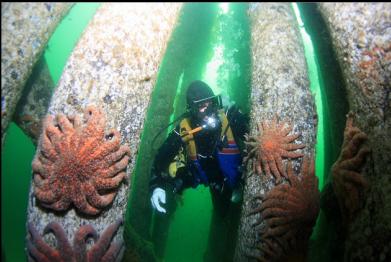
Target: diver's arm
x=163 y=158
x=159 y=182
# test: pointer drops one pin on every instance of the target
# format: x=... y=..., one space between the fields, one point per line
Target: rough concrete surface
x=279 y=86
x=114 y=66
x=25 y=31
x=33 y=104
x=361 y=37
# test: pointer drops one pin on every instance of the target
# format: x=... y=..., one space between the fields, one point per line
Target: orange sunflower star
x=348 y=183
x=103 y=248
x=289 y=212
x=78 y=163
x=268 y=149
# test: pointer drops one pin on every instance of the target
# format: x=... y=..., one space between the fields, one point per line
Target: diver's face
x=204 y=106
x=202 y=110
x=205 y=111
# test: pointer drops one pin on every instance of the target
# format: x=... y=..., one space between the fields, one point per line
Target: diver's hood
x=197 y=91
x=197 y=95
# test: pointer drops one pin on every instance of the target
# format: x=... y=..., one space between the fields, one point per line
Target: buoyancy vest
x=228 y=155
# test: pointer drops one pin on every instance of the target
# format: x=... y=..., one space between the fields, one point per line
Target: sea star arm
x=80 y=241
x=81 y=203
x=288 y=209
x=63 y=245
x=47 y=147
x=114 y=168
x=103 y=246
x=113 y=252
x=109 y=183
x=41 y=251
x=97 y=200
x=60 y=205
x=37 y=248
x=111 y=143
x=65 y=125
x=348 y=183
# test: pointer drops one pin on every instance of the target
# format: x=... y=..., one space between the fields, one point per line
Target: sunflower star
x=289 y=212
x=78 y=164
x=348 y=183
x=268 y=149
x=102 y=249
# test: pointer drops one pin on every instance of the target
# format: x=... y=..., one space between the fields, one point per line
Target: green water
x=65 y=37
x=226 y=71
x=217 y=37
x=315 y=86
x=178 y=69
x=202 y=29
x=16 y=160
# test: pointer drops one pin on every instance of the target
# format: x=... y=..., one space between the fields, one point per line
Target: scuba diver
x=202 y=149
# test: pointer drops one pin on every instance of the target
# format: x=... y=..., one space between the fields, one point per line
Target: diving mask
x=204 y=108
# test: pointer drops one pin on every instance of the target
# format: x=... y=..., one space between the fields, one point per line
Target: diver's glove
x=158 y=195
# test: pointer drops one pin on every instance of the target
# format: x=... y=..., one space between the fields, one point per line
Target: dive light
x=210 y=123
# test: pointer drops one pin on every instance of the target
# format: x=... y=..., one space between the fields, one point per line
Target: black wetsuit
x=205 y=143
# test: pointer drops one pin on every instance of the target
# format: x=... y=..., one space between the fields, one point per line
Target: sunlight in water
x=224 y=7
x=313 y=71
x=315 y=86
x=211 y=71
x=211 y=74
